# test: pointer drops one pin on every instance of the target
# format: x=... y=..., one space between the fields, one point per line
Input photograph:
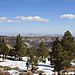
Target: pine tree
x=43 y=51
x=4 y=48
x=56 y=56
x=68 y=44
x=0 y=46
x=62 y=52
x=20 y=49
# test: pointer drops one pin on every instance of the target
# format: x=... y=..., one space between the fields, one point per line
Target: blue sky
x=37 y=16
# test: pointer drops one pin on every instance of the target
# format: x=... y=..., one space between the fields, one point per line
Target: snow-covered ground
x=1 y=59
x=13 y=72
x=20 y=64
x=45 y=67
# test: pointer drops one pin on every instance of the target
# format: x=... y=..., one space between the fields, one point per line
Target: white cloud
x=32 y=18
x=24 y=18
x=68 y=16
x=4 y=19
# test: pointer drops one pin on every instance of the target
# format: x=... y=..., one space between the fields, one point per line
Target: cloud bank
x=5 y=19
x=24 y=18
x=31 y=18
x=68 y=16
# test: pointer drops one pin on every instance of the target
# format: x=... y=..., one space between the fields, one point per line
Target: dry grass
x=4 y=73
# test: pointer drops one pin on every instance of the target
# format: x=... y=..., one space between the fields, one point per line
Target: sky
x=36 y=16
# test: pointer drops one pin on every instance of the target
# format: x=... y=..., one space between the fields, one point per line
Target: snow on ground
x=46 y=68
x=13 y=72
x=48 y=72
x=20 y=64
x=70 y=73
x=25 y=58
x=1 y=59
x=72 y=63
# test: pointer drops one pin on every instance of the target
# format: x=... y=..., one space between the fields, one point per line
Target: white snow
x=20 y=64
x=48 y=72
x=25 y=58
x=70 y=73
x=46 y=68
x=1 y=59
x=13 y=72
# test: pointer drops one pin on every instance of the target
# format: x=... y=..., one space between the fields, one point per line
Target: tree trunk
x=58 y=72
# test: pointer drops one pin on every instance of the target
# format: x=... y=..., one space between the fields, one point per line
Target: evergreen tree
x=68 y=37
x=0 y=46
x=68 y=44
x=62 y=52
x=20 y=49
x=43 y=51
x=33 y=59
x=3 y=47
x=57 y=56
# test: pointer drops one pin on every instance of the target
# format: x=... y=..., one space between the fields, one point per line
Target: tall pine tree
x=57 y=56
x=20 y=49
x=68 y=44
x=4 y=48
x=43 y=51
